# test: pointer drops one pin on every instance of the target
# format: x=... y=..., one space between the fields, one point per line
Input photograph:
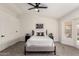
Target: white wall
x=29 y=22
x=9 y=24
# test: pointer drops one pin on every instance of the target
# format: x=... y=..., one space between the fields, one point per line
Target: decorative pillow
x=42 y=33
x=38 y=34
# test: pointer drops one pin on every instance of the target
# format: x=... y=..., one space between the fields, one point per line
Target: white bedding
x=41 y=41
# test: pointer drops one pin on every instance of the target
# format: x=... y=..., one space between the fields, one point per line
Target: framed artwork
x=68 y=29
x=39 y=26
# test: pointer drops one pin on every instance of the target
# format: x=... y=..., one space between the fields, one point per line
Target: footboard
x=39 y=49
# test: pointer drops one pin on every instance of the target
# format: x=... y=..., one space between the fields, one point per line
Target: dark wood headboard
x=32 y=32
x=46 y=32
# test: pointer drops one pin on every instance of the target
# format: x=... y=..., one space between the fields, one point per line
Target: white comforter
x=40 y=41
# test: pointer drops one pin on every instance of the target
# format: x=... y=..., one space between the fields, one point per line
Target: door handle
x=2 y=35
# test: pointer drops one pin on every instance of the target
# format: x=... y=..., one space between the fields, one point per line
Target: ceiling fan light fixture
x=36 y=9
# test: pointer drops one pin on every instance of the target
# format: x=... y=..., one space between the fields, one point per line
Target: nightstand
x=27 y=37
x=51 y=36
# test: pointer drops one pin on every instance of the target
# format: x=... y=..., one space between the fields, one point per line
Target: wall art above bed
x=39 y=26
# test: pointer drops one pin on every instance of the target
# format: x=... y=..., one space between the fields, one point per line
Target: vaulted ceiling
x=54 y=10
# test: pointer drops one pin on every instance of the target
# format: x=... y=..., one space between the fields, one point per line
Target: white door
x=2 y=34
x=77 y=32
x=67 y=32
x=9 y=30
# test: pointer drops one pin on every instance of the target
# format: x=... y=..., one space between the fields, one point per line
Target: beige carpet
x=18 y=50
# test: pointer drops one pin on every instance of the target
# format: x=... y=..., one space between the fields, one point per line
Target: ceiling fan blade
x=42 y=7
x=31 y=4
x=31 y=8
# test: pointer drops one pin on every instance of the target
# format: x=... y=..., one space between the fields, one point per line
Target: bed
x=40 y=43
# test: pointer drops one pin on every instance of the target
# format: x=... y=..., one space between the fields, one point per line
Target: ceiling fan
x=36 y=6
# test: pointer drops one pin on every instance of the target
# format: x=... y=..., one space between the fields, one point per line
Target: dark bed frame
x=27 y=37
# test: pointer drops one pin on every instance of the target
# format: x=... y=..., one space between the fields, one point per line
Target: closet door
x=9 y=30
x=2 y=31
